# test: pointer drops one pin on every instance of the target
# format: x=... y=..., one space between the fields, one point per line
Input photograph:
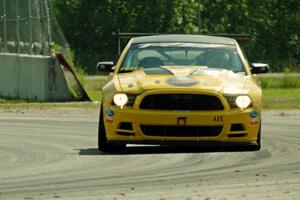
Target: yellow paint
x=214 y=82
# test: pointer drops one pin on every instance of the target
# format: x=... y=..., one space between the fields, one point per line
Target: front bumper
x=236 y=125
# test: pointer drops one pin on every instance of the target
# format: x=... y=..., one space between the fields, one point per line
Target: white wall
x=37 y=78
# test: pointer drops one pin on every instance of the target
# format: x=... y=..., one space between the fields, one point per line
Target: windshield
x=151 y=55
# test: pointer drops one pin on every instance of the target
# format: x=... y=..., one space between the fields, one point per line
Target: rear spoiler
x=132 y=35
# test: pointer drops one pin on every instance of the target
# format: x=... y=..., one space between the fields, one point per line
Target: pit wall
x=37 y=78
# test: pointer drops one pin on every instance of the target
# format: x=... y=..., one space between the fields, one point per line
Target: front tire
x=258 y=140
x=257 y=146
x=103 y=144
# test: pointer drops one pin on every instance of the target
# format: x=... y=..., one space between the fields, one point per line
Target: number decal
x=218 y=118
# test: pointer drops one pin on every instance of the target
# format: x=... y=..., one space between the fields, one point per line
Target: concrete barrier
x=38 y=78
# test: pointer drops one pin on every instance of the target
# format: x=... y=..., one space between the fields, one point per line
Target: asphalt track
x=53 y=155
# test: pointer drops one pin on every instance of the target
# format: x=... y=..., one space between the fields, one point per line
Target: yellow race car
x=180 y=89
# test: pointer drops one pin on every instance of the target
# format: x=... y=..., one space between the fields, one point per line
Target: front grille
x=125 y=126
x=237 y=127
x=181 y=102
x=181 y=131
x=237 y=135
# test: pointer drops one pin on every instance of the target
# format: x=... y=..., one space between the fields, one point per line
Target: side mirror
x=259 y=68
x=105 y=66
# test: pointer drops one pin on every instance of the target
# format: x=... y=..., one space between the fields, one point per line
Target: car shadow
x=136 y=150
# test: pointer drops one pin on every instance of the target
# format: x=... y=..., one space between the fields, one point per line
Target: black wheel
x=257 y=146
x=103 y=145
x=258 y=141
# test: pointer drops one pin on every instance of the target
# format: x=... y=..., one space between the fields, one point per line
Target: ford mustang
x=180 y=89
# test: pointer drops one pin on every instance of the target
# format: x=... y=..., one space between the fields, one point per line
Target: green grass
x=275 y=98
x=278 y=93
x=95 y=95
x=93 y=86
x=285 y=81
x=281 y=98
x=17 y=105
x=12 y=104
x=282 y=92
x=5 y=100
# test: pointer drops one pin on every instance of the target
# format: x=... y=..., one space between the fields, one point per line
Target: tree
x=91 y=27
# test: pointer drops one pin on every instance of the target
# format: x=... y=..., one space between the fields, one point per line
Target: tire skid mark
x=42 y=156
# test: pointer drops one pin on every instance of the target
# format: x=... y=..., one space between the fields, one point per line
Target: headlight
x=243 y=101
x=120 y=99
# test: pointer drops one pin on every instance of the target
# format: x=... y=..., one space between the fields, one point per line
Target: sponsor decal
x=254 y=114
x=130 y=85
x=182 y=81
x=218 y=118
x=109 y=120
x=254 y=123
x=181 y=121
x=109 y=115
x=157 y=81
x=110 y=112
x=254 y=117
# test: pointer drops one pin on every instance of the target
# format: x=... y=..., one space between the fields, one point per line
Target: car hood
x=178 y=77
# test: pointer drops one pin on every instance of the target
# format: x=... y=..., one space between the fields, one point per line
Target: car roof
x=184 y=38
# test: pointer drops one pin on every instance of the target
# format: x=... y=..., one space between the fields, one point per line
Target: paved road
x=53 y=155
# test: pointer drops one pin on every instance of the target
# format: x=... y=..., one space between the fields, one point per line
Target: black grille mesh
x=181 y=131
x=181 y=102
